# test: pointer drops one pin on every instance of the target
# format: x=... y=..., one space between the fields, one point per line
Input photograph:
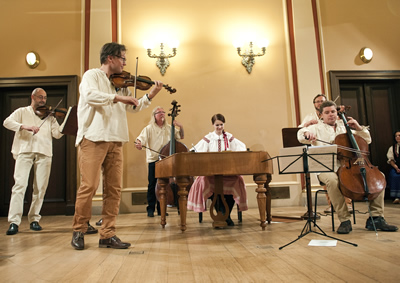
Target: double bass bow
x=359 y=180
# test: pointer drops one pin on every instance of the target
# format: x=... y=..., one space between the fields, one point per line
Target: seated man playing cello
x=326 y=132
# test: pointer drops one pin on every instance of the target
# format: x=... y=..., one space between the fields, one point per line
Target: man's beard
x=39 y=104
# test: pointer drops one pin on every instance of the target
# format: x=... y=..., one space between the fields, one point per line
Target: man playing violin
x=32 y=146
x=326 y=131
x=102 y=130
x=314 y=117
x=154 y=136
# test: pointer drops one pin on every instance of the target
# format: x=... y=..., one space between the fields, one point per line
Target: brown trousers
x=92 y=157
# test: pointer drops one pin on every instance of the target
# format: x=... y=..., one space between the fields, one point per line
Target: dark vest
x=396 y=155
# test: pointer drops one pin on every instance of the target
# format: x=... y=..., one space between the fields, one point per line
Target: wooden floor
x=202 y=254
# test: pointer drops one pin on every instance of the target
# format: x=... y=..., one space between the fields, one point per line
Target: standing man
x=32 y=146
x=102 y=130
x=315 y=116
x=327 y=131
x=155 y=135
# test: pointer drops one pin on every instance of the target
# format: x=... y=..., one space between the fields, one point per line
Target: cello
x=173 y=146
x=359 y=180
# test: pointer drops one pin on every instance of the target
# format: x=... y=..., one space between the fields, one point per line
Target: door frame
x=71 y=83
x=336 y=77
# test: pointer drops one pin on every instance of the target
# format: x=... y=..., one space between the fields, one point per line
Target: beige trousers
x=23 y=165
x=92 y=156
x=338 y=200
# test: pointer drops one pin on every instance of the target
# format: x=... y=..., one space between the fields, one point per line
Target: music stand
x=301 y=159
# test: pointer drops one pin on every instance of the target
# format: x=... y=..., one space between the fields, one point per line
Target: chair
x=332 y=211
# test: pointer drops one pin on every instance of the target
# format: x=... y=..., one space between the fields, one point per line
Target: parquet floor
x=243 y=253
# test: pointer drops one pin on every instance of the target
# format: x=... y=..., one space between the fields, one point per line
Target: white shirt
x=25 y=141
x=99 y=118
x=211 y=141
x=309 y=117
x=155 y=137
x=390 y=153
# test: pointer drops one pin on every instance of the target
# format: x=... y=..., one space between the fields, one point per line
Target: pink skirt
x=203 y=188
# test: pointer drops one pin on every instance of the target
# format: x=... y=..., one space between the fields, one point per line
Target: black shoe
x=13 y=229
x=345 y=227
x=35 y=226
x=159 y=214
x=380 y=224
x=90 y=229
x=113 y=242
x=230 y=222
x=98 y=223
x=78 y=241
x=150 y=213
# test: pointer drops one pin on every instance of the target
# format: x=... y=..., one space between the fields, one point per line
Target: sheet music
x=290 y=160
x=319 y=159
x=70 y=124
x=322 y=163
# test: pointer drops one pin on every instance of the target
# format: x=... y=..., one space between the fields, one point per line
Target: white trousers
x=23 y=165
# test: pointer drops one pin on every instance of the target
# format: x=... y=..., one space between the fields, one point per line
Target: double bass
x=173 y=146
x=359 y=180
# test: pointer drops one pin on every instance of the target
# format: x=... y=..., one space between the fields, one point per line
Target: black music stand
x=300 y=163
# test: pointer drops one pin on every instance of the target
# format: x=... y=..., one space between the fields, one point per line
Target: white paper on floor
x=323 y=243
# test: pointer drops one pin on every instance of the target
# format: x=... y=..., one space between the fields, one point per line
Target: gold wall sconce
x=32 y=59
x=162 y=59
x=366 y=54
x=248 y=55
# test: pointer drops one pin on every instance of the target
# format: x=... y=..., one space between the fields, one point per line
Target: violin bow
x=137 y=63
x=345 y=148
x=44 y=120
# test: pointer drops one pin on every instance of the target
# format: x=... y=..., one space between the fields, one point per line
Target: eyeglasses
x=41 y=97
x=159 y=112
x=319 y=101
x=120 y=57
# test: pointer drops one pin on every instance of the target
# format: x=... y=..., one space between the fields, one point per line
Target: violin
x=125 y=79
x=358 y=179
x=46 y=110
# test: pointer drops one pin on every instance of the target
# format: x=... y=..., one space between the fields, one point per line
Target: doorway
x=374 y=98
x=61 y=192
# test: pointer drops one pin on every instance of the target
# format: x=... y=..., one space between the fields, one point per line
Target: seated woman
x=203 y=187
x=393 y=156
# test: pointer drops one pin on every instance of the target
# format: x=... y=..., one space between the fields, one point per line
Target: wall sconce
x=162 y=59
x=249 y=55
x=32 y=59
x=366 y=54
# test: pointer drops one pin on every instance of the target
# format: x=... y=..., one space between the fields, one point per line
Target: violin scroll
x=342 y=109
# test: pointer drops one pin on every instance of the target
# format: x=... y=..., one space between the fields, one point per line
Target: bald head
x=38 y=97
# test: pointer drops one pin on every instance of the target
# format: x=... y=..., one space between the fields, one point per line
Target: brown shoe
x=380 y=224
x=90 y=229
x=113 y=242
x=345 y=227
x=78 y=241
